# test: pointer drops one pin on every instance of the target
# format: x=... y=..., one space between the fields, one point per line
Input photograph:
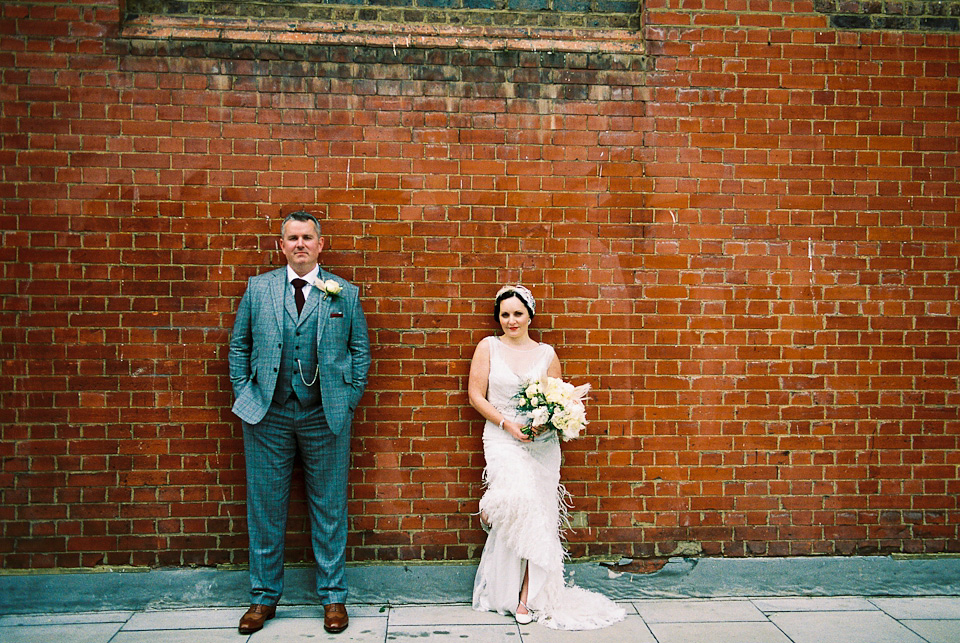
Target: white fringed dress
x=525 y=505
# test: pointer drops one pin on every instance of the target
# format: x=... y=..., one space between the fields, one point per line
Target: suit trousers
x=270 y=447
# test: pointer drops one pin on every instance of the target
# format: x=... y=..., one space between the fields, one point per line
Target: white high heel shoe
x=523 y=619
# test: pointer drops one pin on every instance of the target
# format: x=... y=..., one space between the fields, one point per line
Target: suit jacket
x=343 y=348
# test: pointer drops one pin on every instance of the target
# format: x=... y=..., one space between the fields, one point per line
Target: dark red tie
x=298 y=293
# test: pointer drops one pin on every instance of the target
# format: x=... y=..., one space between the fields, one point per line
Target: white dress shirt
x=309 y=277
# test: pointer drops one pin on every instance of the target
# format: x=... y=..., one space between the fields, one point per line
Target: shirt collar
x=309 y=277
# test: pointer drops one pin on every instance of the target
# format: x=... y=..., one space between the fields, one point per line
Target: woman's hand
x=516 y=430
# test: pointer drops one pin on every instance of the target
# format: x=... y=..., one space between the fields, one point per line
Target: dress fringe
x=516 y=486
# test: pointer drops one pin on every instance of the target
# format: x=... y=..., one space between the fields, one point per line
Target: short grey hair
x=300 y=215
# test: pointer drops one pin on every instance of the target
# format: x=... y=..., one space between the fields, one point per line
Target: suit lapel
x=280 y=296
x=308 y=305
x=323 y=307
x=289 y=304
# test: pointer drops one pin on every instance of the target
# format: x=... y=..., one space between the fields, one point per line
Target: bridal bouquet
x=552 y=404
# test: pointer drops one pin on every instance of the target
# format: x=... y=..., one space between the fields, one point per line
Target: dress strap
x=494 y=344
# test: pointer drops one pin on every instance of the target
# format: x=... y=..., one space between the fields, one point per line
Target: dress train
x=526 y=506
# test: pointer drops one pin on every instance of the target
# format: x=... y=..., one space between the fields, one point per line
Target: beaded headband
x=523 y=293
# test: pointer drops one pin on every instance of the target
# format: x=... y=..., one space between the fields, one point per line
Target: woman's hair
x=521 y=293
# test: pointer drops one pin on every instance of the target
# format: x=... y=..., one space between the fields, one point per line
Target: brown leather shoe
x=255 y=617
x=335 y=617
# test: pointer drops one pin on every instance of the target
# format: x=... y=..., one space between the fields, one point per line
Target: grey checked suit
x=343 y=348
x=283 y=416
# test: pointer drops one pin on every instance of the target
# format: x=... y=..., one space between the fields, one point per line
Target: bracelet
x=501 y=423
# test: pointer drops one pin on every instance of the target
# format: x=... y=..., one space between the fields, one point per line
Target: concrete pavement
x=834 y=619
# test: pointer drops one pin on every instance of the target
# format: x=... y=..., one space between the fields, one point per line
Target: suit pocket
x=254 y=363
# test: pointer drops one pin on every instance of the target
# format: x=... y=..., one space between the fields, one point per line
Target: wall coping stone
x=384 y=35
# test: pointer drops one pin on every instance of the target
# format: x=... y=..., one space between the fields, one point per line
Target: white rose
x=571 y=420
x=533 y=390
x=540 y=416
x=554 y=391
x=329 y=287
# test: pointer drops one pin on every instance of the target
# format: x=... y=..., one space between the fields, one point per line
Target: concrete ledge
x=135 y=589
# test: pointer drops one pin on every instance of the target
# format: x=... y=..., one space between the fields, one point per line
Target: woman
x=523 y=507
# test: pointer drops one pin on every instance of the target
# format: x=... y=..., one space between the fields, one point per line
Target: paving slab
x=697 y=611
x=293 y=630
x=631 y=630
x=814 y=604
x=445 y=615
x=843 y=627
x=56 y=619
x=945 y=631
x=721 y=632
x=74 y=633
x=459 y=633
x=221 y=635
x=187 y=619
x=920 y=607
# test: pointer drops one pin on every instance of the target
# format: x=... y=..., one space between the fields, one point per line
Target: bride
x=524 y=505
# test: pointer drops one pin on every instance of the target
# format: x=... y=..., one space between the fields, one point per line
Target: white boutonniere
x=328 y=288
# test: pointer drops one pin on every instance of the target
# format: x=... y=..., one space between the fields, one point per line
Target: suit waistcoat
x=299 y=343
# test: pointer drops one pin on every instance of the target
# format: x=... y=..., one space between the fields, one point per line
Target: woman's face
x=514 y=318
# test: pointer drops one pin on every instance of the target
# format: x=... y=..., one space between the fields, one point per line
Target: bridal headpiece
x=521 y=292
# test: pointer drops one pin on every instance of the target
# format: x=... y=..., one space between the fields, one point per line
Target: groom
x=299 y=356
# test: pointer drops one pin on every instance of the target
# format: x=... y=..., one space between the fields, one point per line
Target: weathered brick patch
x=917 y=15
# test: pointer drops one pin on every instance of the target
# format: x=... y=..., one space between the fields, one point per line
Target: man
x=299 y=356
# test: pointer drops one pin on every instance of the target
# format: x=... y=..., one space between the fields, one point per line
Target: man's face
x=301 y=245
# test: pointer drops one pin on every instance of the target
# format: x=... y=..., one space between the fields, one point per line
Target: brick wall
x=744 y=238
